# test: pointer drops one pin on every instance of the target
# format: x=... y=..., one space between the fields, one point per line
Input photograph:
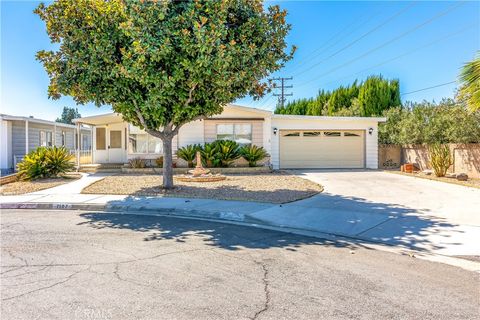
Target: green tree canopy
x=470 y=89
x=68 y=114
x=162 y=64
x=430 y=123
x=368 y=98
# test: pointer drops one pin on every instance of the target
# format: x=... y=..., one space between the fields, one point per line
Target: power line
x=408 y=52
x=377 y=27
x=438 y=15
x=281 y=96
x=428 y=88
x=335 y=36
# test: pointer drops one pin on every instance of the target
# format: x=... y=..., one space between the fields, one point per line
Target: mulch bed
x=22 y=187
x=277 y=187
x=471 y=182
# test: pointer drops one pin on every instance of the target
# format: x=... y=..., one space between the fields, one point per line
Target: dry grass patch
x=272 y=187
x=22 y=187
x=471 y=182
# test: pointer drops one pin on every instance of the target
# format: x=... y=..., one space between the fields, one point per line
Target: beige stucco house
x=292 y=141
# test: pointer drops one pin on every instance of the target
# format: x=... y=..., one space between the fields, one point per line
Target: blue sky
x=423 y=44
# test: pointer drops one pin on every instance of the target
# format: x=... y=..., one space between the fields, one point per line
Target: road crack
x=266 y=291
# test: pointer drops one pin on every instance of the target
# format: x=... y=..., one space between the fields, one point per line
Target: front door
x=110 y=143
x=116 y=143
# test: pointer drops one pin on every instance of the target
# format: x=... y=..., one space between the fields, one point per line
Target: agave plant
x=210 y=157
x=253 y=154
x=45 y=163
x=188 y=153
x=228 y=152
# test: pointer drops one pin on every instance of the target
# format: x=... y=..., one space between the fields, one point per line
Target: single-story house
x=20 y=135
x=292 y=141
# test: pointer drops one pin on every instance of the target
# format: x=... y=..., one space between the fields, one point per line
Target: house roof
x=35 y=120
x=302 y=117
x=115 y=117
x=106 y=118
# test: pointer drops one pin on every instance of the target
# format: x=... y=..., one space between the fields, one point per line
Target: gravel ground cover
x=22 y=187
x=273 y=187
x=471 y=182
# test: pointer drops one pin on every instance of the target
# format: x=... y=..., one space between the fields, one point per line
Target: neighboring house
x=292 y=141
x=20 y=135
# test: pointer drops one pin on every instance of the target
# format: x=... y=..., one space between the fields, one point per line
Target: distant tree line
x=368 y=98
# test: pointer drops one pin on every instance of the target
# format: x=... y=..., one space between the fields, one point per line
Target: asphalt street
x=94 y=265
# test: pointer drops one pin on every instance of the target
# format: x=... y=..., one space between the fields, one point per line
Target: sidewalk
x=323 y=213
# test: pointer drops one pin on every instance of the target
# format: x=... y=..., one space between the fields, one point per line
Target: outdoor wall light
x=275 y=130
x=370 y=131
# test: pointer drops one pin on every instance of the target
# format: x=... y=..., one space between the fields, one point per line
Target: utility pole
x=281 y=96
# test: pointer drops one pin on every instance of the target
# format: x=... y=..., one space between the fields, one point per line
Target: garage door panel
x=322 y=151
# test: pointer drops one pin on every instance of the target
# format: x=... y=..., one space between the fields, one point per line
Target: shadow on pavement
x=226 y=236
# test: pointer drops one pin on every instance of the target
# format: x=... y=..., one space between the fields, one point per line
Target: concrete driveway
x=385 y=207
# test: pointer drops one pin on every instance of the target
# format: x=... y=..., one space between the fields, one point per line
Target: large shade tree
x=162 y=64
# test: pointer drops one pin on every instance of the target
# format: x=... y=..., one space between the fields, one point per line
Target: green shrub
x=188 y=153
x=210 y=157
x=45 y=163
x=253 y=154
x=137 y=163
x=440 y=158
x=228 y=152
x=159 y=162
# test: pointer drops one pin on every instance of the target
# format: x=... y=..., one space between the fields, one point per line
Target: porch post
x=54 y=138
x=78 y=146
x=26 y=137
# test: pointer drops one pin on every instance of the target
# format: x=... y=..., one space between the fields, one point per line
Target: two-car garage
x=323 y=142
x=322 y=149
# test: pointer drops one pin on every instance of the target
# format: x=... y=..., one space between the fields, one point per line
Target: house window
x=141 y=142
x=45 y=138
x=350 y=134
x=86 y=145
x=292 y=134
x=311 y=134
x=100 y=139
x=238 y=132
x=332 y=134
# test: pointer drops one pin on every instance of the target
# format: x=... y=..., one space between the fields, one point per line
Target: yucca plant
x=137 y=163
x=228 y=152
x=45 y=163
x=188 y=153
x=253 y=154
x=210 y=156
x=440 y=158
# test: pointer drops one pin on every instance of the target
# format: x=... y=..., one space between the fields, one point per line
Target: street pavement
x=96 y=265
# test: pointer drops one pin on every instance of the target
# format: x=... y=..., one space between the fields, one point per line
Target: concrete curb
x=245 y=220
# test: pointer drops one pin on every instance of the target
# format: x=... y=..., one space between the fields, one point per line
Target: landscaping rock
x=462 y=177
x=427 y=172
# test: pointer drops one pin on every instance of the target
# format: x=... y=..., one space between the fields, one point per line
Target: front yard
x=22 y=187
x=277 y=187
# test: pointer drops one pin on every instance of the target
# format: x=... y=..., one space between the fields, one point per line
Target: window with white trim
x=141 y=142
x=238 y=132
x=45 y=138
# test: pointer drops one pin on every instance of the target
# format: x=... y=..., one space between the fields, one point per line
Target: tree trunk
x=167 y=163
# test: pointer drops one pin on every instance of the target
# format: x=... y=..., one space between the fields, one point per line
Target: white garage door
x=322 y=149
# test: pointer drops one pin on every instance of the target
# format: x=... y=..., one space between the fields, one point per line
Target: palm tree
x=470 y=78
